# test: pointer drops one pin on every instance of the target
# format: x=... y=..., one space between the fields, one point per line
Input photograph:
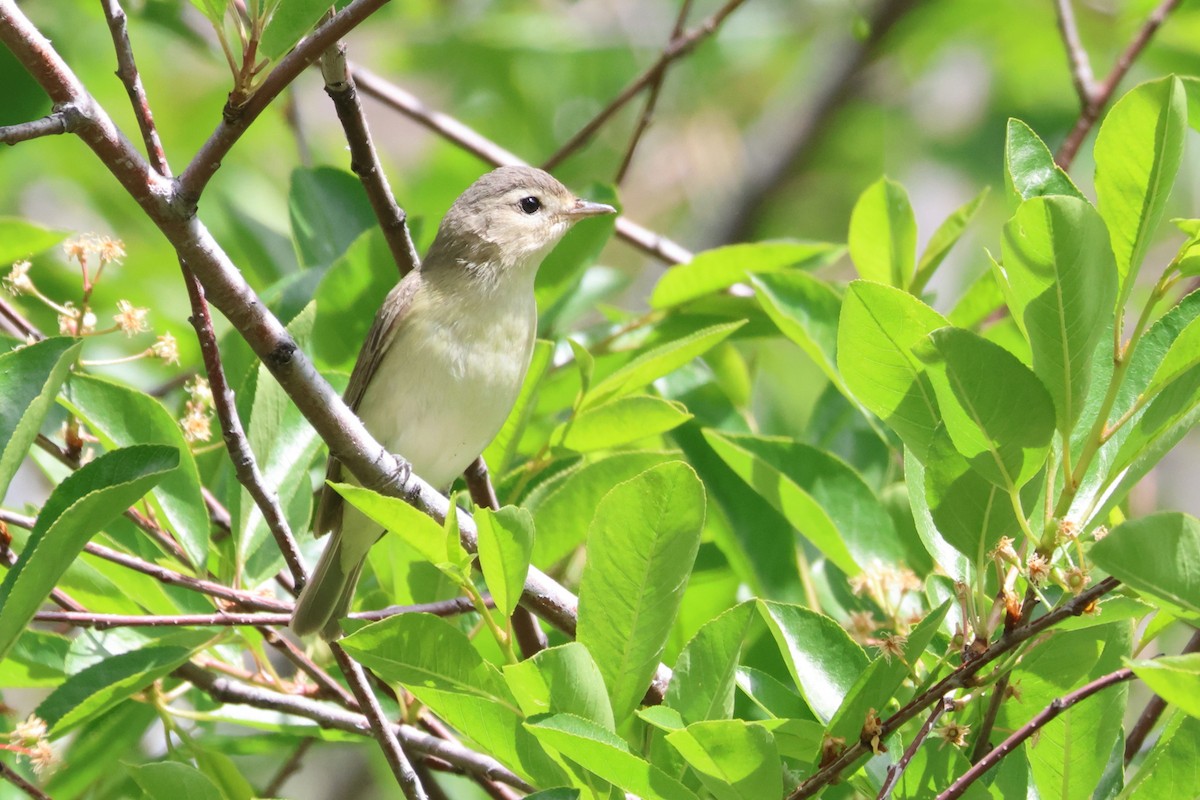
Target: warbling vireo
x=445 y=358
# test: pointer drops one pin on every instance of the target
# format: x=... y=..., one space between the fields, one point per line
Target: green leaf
x=998 y=414
x=1138 y=152
x=1181 y=357
x=883 y=234
x=170 y=780
x=328 y=209
x=1158 y=555
x=420 y=530
x=563 y=679
x=945 y=555
x=1062 y=284
x=97 y=745
x=94 y=690
x=944 y=238
x=607 y=755
x=641 y=545
x=505 y=546
x=735 y=760
x=1029 y=168
x=29 y=380
x=806 y=311
x=720 y=268
x=292 y=20
x=21 y=239
x=978 y=302
x=879 y=329
x=353 y=287
x=620 y=421
x=705 y=672
x=770 y=695
x=656 y=362
x=35 y=660
x=823 y=497
x=121 y=417
x=823 y=659
x=1172 y=769
x=1175 y=679
x=82 y=504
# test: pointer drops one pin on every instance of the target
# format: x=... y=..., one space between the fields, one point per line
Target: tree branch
x=677 y=48
x=896 y=770
x=1039 y=721
x=1081 y=67
x=982 y=745
x=9 y=774
x=127 y=71
x=64 y=119
x=1100 y=95
x=485 y=149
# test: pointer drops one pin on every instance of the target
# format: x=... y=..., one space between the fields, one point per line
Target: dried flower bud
x=861 y=625
x=78 y=248
x=1099 y=533
x=1038 y=569
x=200 y=391
x=1076 y=579
x=872 y=732
x=954 y=733
x=1004 y=552
x=1067 y=530
x=892 y=645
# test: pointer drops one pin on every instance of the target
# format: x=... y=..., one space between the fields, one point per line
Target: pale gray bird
x=444 y=359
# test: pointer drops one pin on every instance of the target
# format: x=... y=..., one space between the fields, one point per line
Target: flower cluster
x=29 y=739
x=197 y=419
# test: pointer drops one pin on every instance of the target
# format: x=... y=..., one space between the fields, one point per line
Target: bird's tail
x=327 y=596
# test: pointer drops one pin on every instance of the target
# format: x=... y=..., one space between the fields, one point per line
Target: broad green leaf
x=29 y=380
x=978 y=302
x=1172 y=769
x=505 y=545
x=101 y=686
x=170 y=780
x=563 y=506
x=1062 y=284
x=1175 y=679
x=418 y=529
x=656 y=362
x=221 y=770
x=1158 y=555
x=500 y=453
x=702 y=685
x=1138 y=152
x=879 y=329
x=770 y=695
x=120 y=417
x=347 y=296
x=1029 y=168
x=823 y=497
x=35 y=660
x=1181 y=357
x=883 y=234
x=20 y=239
x=823 y=659
x=944 y=238
x=934 y=767
x=562 y=679
x=998 y=414
x=944 y=554
x=328 y=210
x=662 y=717
x=291 y=21
x=620 y=421
x=806 y=310
x=735 y=760
x=214 y=10
x=560 y=272
x=641 y=545
x=720 y=268
x=607 y=755
x=82 y=504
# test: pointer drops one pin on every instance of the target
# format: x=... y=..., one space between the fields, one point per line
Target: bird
x=444 y=359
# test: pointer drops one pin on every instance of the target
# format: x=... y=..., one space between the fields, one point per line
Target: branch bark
x=64 y=119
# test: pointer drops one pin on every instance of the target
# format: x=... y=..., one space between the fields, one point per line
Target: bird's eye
x=530 y=205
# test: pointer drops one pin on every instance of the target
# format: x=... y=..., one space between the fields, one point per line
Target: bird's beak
x=586 y=208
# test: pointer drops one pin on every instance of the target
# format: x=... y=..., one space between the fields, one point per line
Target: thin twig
x=86 y=619
x=677 y=48
x=896 y=770
x=15 y=318
x=364 y=161
x=982 y=737
x=62 y=120
x=1153 y=710
x=8 y=559
x=1039 y=721
x=127 y=71
x=449 y=128
x=326 y=685
x=1081 y=67
x=9 y=774
x=288 y=768
x=384 y=733
x=1089 y=113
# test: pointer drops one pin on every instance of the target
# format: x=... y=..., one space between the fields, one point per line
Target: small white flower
x=17 y=281
x=130 y=318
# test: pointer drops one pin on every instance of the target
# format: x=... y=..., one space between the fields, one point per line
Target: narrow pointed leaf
x=29 y=380
x=505 y=545
x=720 y=268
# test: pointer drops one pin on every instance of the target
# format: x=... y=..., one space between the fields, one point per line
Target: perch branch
x=63 y=119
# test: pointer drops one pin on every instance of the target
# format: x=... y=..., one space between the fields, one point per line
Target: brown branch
x=9 y=774
x=383 y=731
x=1089 y=114
x=677 y=48
x=485 y=149
x=982 y=743
x=651 y=98
x=127 y=71
x=1077 y=57
x=1153 y=710
x=101 y=622
x=288 y=768
x=64 y=119
x=326 y=685
x=957 y=679
x=1039 y=721
x=364 y=161
x=896 y=770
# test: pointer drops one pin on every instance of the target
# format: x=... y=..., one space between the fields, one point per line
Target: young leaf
x=1138 y=152
x=80 y=506
x=420 y=530
x=705 y=672
x=505 y=545
x=944 y=238
x=291 y=20
x=620 y=421
x=1158 y=555
x=736 y=760
x=561 y=680
x=1062 y=284
x=883 y=234
x=29 y=380
x=1183 y=354
x=120 y=417
x=641 y=545
x=806 y=310
x=995 y=409
x=879 y=329
x=720 y=268
x=1029 y=168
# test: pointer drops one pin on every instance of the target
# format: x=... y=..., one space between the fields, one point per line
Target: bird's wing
x=379 y=338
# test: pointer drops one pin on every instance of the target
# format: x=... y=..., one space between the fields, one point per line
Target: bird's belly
x=441 y=393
